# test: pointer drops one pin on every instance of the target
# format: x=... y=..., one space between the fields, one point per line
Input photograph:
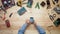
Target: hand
x=28 y=21
x=35 y=24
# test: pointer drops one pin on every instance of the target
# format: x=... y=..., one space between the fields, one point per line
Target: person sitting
x=23 y=28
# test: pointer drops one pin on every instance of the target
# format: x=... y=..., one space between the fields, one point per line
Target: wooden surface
x=40 y=15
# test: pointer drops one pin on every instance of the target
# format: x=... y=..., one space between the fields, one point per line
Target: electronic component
x=57 y=9
x=51 y=17
x=57 y=22
x=48 y=4
x=7 y=3
x=10 y=15
x=53 y=2
x=37 y=5
x=56 y=1
x=29 y=4
x=19 y=3
x=54 y=15
x=32 y=20
x=1 y=8
x=42 y=4
x=21 y=11
x=7 y=23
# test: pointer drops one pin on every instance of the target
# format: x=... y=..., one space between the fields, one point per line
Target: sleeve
x=40 y=30
x=23 y=28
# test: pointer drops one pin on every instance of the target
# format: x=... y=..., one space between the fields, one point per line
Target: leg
x=23 y=28
x=40 y=29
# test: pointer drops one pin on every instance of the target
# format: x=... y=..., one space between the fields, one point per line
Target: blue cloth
x=23 y=28
x=39 y=29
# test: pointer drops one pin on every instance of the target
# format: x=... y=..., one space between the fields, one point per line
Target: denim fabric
x=40 y=29
x=23 y=28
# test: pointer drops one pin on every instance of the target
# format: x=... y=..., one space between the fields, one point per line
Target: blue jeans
x=39 y=29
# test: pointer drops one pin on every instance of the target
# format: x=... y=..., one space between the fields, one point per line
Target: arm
x=23 y=28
